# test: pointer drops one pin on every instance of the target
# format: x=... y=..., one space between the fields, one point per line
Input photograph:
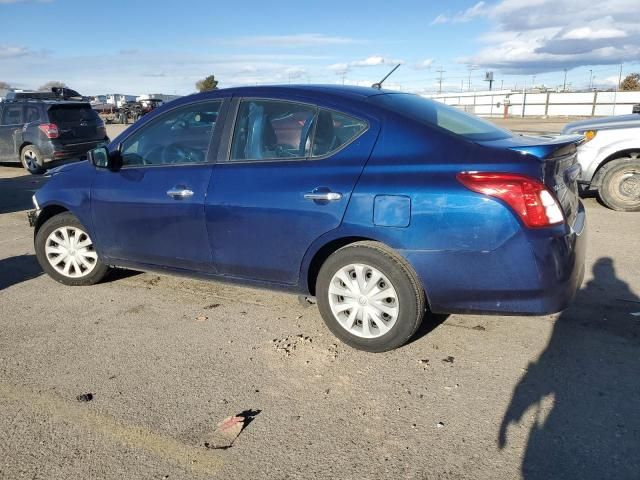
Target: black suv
x=38 y=128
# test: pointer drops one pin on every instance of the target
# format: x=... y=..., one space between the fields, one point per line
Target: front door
x=288 y=180
x=151 y=211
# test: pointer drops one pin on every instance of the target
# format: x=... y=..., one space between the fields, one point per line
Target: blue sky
x=165 y=46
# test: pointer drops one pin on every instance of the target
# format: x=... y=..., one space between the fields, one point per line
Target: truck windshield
x=442 y=116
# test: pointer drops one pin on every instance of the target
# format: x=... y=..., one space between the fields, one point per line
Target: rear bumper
x=533 y=273
x=57 y=151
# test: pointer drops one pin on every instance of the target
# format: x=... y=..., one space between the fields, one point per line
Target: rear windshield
x=70 y=113
x=442 y=116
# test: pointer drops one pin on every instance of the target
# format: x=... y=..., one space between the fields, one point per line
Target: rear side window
x=70 y=113
x=12 y=115
x=442 y=116
x=31 y=114
x=272 y=129
x=334 y=130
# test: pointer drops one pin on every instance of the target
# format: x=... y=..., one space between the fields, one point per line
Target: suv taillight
x=49 y=129
x=528 y=197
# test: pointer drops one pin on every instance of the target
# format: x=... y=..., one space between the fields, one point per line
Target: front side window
x=180 y=136
x=271 y=129
x=334 y=130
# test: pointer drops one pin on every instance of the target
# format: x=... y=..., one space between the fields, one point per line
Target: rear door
x=151 y=211
x=287 y=180
x=76 y=122
x=11 y=123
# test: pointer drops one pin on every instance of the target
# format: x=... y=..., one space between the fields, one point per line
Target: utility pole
x=470 y=70
x=590 y=79
x=440 y=80
x=533 y=82
x=564 y=85
x=501 y=84
x=615 y=93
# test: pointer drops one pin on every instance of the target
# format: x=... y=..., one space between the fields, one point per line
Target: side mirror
x=99 y=156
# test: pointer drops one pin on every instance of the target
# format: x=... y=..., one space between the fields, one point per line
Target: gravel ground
x=167 y=358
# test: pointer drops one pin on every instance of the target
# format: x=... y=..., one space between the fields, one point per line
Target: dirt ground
x=167 y=358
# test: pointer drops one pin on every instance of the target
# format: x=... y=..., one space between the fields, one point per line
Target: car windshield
x=442 y=116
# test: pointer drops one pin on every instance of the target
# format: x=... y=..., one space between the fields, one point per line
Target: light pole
x=564 y=84
x=590 y=79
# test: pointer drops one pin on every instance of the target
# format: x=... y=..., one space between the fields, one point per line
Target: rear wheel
x=32 y=160
x=66 y=253
x=370 y=297
x=620 y=188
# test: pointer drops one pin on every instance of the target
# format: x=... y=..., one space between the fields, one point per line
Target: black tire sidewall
x=39 y=160
x=57 y=221
x=409 y=317
x=608 y=187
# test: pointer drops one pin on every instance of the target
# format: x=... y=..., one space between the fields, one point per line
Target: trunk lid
x=76 y=122
x=560 y=167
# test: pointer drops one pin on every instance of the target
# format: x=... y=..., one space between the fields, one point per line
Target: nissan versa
x=382 y=205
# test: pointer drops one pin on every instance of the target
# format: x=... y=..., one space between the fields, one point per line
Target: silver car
x=610 y=159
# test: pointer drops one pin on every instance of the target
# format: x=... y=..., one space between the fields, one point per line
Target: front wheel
x=66 y=253
x=620 y=189
x=31 y=159
x=370 y=297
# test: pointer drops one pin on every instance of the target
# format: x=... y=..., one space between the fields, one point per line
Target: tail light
x=529 y=198
x=49 y=129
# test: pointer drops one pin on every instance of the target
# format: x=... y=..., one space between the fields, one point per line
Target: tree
x=4 y=86
x=206 y=84
x=49 y=85
x=631 y=82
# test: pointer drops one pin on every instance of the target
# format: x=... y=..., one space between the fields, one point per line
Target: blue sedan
x=382 y=205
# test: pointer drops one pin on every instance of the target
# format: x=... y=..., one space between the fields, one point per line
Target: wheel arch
x=48 y=212
x=596 y=181
x=321 y=255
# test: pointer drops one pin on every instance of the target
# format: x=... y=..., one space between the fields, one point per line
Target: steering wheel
x=178 y=153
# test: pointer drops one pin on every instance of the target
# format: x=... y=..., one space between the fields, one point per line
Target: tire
x=404 y=306
x=85 y=268
x=31 y=159
x=620 y=188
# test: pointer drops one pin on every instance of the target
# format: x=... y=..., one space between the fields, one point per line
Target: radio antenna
x=379 y=84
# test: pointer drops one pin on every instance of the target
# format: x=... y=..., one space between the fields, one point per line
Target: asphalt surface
x=167 y=358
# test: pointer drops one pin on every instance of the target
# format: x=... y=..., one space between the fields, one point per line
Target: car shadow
x=430 y=322
x=14 y=270
x=588 y=373
x=16 y=192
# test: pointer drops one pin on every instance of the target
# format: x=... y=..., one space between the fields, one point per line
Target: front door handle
x=323 y=196
x=180 y=191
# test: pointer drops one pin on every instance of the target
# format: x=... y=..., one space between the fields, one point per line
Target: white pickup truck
x=610 y=159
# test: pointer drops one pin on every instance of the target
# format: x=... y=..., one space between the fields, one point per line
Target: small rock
x=440 y=425
x=213 y=305
x=424 y=361
x=85 y=397
x=201 y=318
x=479 y=327
x=449 y=359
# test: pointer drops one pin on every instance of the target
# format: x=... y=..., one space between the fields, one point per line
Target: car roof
x=618 y=121
x=343 y=91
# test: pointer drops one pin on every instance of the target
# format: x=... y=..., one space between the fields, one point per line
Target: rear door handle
x=323 y=196
x=179 y=191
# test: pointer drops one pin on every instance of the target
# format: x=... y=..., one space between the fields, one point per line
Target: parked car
x=610 y=159
x=382 y=205
x=37 y=128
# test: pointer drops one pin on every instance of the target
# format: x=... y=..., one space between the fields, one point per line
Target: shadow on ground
x=16 y=192
x=14 y=270
x=593 y=428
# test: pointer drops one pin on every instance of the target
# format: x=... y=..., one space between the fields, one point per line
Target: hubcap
x=630 y=185
x=31 y=159
x=70 y=252
x=363 y=301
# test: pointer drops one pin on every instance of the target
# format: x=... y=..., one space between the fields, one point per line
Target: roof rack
x=56 y=93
